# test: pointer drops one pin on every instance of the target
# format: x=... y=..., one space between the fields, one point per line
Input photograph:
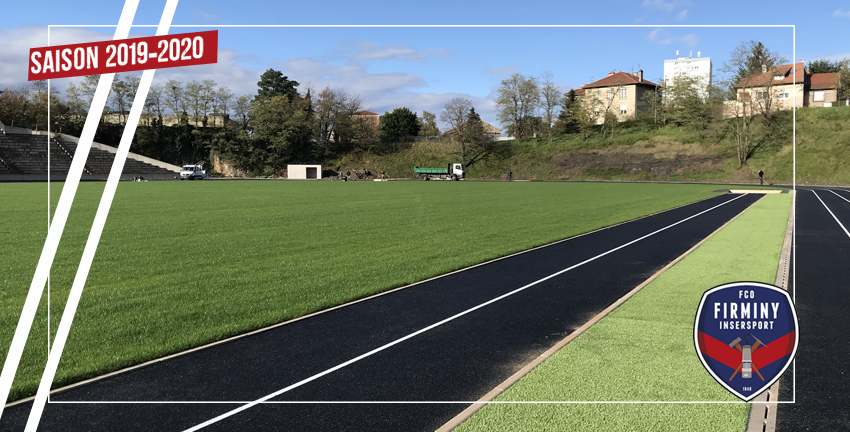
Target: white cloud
x=226 y=72
x=662 y=37
x=690 y=39
x=659 y=4
x=17 y=43
x=841 y=13
x=380 y=92
x=669 y=6
x=208 y=15
x=833 y=57
x=502 y=70
x=371 y=51
x=653 y=35
x=351 y=75
x=657 y=36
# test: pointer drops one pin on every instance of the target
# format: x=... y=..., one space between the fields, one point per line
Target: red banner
x=95 y=58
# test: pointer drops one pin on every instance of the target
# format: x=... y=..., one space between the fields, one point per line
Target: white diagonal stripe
x=96 y=231
x=54 y=234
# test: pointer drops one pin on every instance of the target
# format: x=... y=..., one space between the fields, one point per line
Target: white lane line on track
x=831 y=213
x=437 y=324
x=839 y=195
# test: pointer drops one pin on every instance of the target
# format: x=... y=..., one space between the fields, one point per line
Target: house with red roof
x=787 y=86
x=619 y=92
x=823 y=89
x=370 y=118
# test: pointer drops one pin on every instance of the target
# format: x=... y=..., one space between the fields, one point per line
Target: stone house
x=619 y=92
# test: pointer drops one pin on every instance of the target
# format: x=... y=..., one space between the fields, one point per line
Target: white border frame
x=794 y=166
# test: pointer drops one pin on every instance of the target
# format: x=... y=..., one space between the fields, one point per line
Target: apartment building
x=698 y=68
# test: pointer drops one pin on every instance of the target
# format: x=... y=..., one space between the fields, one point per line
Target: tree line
x=260 y=133
x=529 y=106
x=283 y=123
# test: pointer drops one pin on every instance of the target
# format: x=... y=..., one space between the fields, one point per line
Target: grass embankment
x=181 y=264
x=823 y=146
x=635 y=153
x=644 y=350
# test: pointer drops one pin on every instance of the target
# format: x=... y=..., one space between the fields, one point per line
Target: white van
x=192 y=172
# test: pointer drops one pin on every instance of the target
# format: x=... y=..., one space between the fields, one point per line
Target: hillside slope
x=675 y=154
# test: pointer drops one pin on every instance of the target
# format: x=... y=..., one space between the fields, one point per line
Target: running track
x=459 y=360
x=822 y=289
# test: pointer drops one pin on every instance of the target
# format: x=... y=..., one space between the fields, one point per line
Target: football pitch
x=183 y=264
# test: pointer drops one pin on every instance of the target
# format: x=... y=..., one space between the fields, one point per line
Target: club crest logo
x=745 y=334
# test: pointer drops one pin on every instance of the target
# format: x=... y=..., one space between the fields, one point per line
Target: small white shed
x=303 y=172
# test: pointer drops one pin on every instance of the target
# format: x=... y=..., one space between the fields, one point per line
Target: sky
x=424 y=68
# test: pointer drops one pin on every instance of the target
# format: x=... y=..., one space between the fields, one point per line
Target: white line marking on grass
x=66 y=199
x=831 y=213
x=97 y=228
x=439 y=323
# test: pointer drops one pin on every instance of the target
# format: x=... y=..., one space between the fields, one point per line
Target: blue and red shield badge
x=745 y=334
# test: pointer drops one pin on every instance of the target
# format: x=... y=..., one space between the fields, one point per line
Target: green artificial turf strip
x=181 y=264
x=644 y=350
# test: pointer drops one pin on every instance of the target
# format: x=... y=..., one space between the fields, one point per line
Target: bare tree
x=155 y=103
x=194 y=96
x=120 y=97
x=844 y=81
x=132 y=83
x=652 y=107
x=174 y=97
x=600 y=100
x=88 y=87
x=456 y=115
x=517 y=101
x=207 y=99
x=224 y=101
x=753 y=68
x=767 y=96
x=242 y=109
x=74 y=98
x=37 y=88
x=39 y=100
x=585 y=114
x=550 y=99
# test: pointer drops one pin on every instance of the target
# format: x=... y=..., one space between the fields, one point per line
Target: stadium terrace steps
x=27 y=154
x=6 y=166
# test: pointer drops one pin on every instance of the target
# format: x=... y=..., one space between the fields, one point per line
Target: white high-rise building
x=696 y=67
